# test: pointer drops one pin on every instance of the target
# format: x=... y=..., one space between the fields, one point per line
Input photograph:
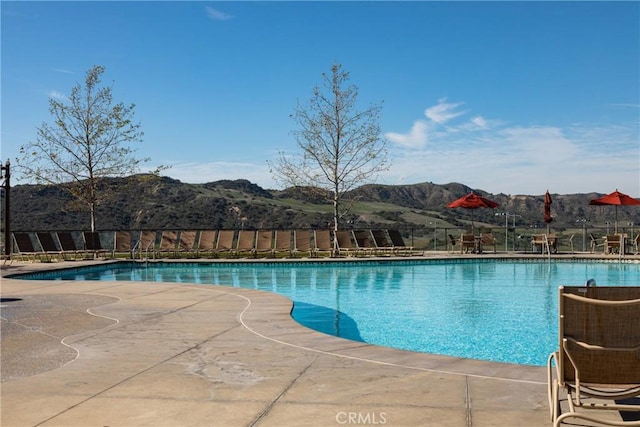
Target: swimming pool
x=498 y=310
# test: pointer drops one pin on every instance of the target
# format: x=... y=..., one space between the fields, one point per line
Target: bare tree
x=87 y=141
x=341 y=147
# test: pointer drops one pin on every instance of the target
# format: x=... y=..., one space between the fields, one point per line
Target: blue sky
x=507 y=97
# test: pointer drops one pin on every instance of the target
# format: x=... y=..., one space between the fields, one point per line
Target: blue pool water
x=499 y=310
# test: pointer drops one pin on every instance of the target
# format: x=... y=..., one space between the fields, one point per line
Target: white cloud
x=443 y=111
x=480 y=122
x=217 y=15
x=416 y=138
x=57 y=95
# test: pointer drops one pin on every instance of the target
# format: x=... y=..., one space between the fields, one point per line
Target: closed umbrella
x=472 y=201
x=616 y=199
x=547 y=209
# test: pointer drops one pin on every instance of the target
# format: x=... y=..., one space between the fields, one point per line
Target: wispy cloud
x=443 y=111
x=62 y=70
x=217 y=15
x=57 y=95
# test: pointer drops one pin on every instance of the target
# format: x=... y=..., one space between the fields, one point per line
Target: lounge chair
x=283 y=242
x=246 y=243
x=399 y=245
x=67 y=243
x=92 y=243
x=598 y=359
x=322 y=242
x=467 y=243
x=264 y=242
x=23 y=246
x=224 y=243
x=206 y=243
x=345 y=244
x=382 y=242
x=636 y=244
x=48 y=245
x=364 y=241
x=302 y=242
x=168 y=242
x=122 y=243
x=187 y=241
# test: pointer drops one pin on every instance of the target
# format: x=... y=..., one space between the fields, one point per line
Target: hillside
x=143 y=202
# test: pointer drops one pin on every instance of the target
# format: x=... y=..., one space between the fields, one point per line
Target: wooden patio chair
x=487 y=239
x=467 y=243
x=598 y=359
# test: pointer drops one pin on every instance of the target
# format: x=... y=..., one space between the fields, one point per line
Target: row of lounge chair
x=172 y=243
x=60 y=245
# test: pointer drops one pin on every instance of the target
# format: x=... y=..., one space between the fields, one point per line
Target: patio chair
x=364 y=241
x=224 y=243
x=92 y=243
x=613 y=243
x=382 y=242
x=595 y=242
x=322 y=242
x=467 y=243
x=636 y=243
x=453 y=242
x=67 y=243
x=540 y=241
x=487 y=239
x=598 y=359
x=246 y=244
x=283 y=242
x=168 y=242
x=399 y=246
x=48 y=245
x=206 y=243
x=23 y=246
x=264 y=242
x=302 y=242
x=345 y=244
x=187 y=241
x=122 y=243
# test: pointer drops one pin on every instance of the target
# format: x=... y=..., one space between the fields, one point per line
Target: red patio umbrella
x=547 y=209
x=472 y=201
x=617 y=199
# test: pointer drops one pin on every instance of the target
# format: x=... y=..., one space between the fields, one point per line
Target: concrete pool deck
x=160 y=354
